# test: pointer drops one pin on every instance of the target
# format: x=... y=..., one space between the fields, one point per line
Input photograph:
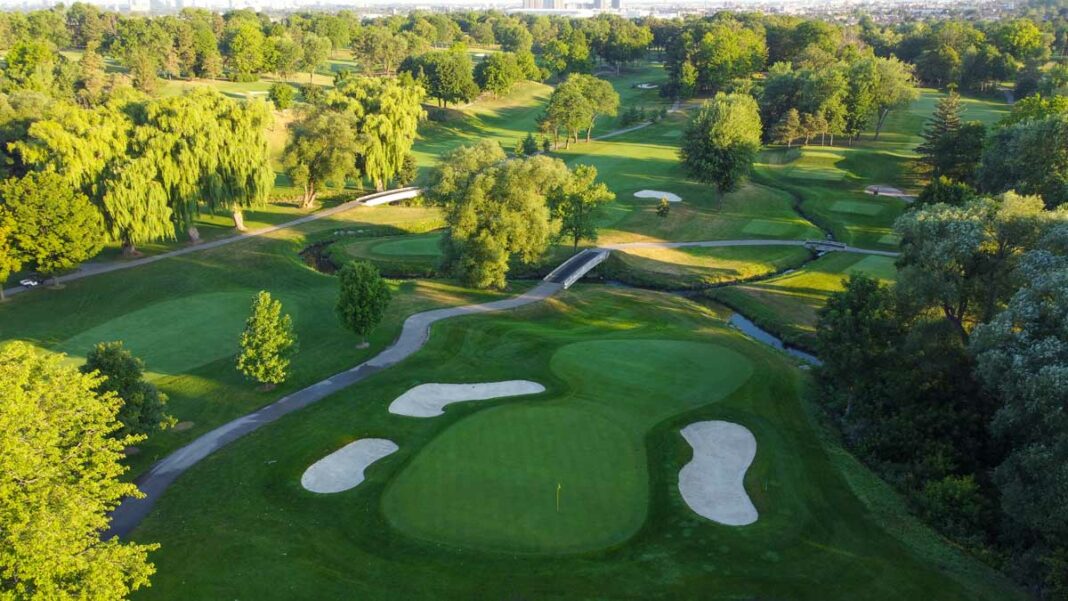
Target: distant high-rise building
x=617 y=4
x=554 y=4
x=528 y=4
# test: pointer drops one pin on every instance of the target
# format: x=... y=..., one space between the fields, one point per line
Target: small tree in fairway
x=266 y=342
x=363 y=297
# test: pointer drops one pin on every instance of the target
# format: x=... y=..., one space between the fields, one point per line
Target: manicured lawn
x=507 y=120
x=696 y=266
x=183 y=316
x=787 y=304
x=624 y=371
x=494 y=475
x=428 y=245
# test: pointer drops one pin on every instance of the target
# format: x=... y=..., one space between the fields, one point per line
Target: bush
x=281 y=95
x=313 y=94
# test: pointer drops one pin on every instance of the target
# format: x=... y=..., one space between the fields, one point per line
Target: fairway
x=422 y=246
x=857 y=208
x=493 y=476
x=174 y=336
x=625 y=371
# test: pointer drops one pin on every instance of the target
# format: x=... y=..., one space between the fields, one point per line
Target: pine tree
x=788 y=128
x=267 y=342
x=945 y=122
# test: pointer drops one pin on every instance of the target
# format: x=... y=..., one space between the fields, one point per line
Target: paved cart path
x=414 y=334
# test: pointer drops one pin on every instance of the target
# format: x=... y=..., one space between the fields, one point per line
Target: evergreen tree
x=143 y=408
x=267 y=342
x=789 y=128
x=944 y=123
x=362 y=297
x=529 y=145
x=61 y=464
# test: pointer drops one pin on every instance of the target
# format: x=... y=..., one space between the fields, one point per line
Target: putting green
x=174 y=336
x=425 y=246
x=490 y=481
x=857 y=208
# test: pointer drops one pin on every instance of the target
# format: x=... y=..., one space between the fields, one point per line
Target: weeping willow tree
x=89 y=149
x=152 y=166
x=386 y=114
x=211 y=154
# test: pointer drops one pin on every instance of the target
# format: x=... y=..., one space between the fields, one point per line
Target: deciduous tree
x=722 y=140
x=142 y=409
x=61 y=466
x=57 y=227
x=363 y=297
x=267 y=342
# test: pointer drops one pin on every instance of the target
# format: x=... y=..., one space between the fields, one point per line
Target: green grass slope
x=610 y=360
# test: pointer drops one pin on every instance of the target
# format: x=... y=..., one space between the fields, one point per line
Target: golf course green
x=495 y=475
x=625 y=370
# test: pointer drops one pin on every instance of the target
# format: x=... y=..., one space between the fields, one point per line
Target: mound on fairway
x=429 y=400
x=658 y=194
x=177 y=335
x=494 y=476
x=343 y=469
x=713 y=482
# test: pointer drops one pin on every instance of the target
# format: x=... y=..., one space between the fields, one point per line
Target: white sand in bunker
x=881 y=190
x=713 y=483
x=429 y=400
x=658 y=194
x=343 y=469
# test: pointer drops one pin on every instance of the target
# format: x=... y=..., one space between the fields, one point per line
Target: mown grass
x=787 y=304
x=486 y=472
x=183 y=315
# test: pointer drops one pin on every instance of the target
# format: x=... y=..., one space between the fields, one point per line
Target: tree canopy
x=61 y=468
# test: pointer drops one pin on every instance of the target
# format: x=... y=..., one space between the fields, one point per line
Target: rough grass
x=787 y=304
x=184 y=315
x=815 y=539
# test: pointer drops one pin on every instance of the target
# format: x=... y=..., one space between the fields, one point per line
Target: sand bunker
x=712 y=484
x=657 y=194
x=429 y=400
x=343 y=469
x=647 y=86
x=880 y=190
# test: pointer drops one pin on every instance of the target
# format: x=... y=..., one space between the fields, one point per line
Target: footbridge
x=572 y=270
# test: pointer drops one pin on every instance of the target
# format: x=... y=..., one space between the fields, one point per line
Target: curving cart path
x=91 y=269
x=414 y=334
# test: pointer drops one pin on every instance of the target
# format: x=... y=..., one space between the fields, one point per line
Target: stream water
x=757 y=333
